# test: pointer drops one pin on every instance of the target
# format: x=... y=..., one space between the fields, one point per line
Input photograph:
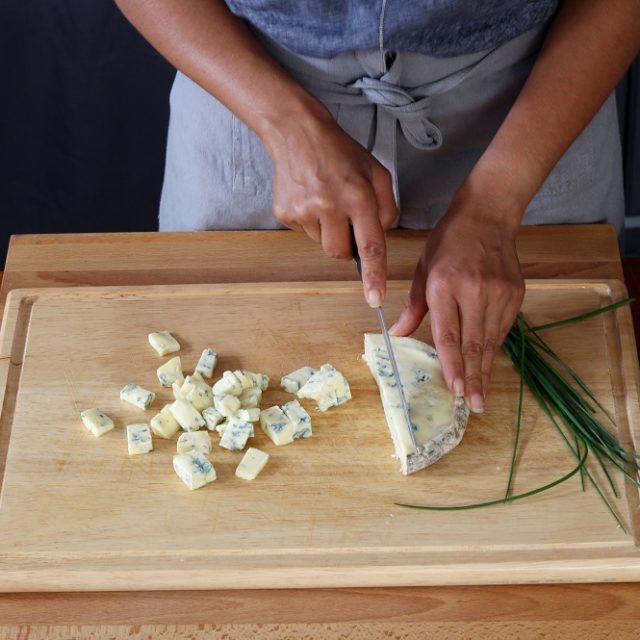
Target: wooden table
x=519 y=611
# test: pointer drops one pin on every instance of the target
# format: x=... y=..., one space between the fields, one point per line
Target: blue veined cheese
x=260 y=380
x=226 y=404
x=163 y=424
x=177 y=394
x=139 y=439
x=277 y=426
x=212 y=417
x=251 y=398
x=194 y=469
x=200 y=440
x=236 y=433
x=186 y=415
x=198 y=392
x=96 y=421
x=328 y=387
x=300 y=419
x=438 y=417
x=207 y=362
x=296 y=379
x=163 y=342
x=246 y=378
x=170 y=372
x=252 y=464
x=228 y=384
x=248 y=415
x=137 y=396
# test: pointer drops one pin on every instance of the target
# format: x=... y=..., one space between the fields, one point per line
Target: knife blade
x=390 y=352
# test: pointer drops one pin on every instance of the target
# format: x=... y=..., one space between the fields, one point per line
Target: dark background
x=83 y=116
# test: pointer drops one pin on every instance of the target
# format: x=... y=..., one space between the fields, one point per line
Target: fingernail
x=392 y=329
x=458 y=386
x=477 y=403
x=374 y=298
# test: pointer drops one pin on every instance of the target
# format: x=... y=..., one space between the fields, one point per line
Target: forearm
x=205 y=41
x=587 y=50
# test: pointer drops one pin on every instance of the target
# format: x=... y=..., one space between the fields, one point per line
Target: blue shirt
x=443 y=28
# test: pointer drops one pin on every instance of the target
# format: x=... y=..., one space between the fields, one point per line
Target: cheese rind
x=207 y=362
x=137 y=396
x=252 y=464
x=328 y=387
x=170 y=372
x=139 y=439
x=300 y=419
x=438 y=416
x=96 y=421
x=186 y=415
x=163 y=424
x=277 y=426
x=200 y=440
x=296 y=379
x=194 y=469
x=163 y=342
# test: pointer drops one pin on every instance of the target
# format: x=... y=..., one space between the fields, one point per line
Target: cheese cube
x=251 y=398
x=198 y=392
x=300 y=419
x=260 y=380
x=199 y=440
x=170 y=372
x=194 y=469
x=246 y=378
x=163 y=342
x=226 y=404
x=207 y=362
x=138 y=439
x=137 y=396
x=328 y=387
x=96 y=421
x=249 y=415
x=251 y=464
x=228 y=384
x=212 y=418
x=186 y=415
x=236 y=434
x=163 y=424
x=296 y=379
x=276 y=425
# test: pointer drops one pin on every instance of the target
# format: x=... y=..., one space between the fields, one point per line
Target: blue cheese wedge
x=198 y=392
x=96 y=421
x=163 y=342
x=251 y=398
x=228 y=384
x=439 y=418
x=235 y=435
x=226 y=404
x=300 y=419
x=277 y=426
x=248 y=415
x=212 y=418
x=163 y=424
x=328 y=387
x=137 y=396
x=139 y=439
x=252 y=464
x=194 y=469
x=207 y=363
x=296 y=379
x=170 y=372
x=186 y=415
x=200 y=440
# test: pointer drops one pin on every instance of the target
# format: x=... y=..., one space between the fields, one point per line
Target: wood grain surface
x=510 y=611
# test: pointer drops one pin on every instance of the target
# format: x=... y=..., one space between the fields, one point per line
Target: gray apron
x=426 y=119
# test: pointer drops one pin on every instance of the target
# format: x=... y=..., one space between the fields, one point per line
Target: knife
x=387 y=341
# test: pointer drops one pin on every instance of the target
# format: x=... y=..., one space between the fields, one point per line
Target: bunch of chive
x=550 y=380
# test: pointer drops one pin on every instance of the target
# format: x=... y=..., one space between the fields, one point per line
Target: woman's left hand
x=469 y=279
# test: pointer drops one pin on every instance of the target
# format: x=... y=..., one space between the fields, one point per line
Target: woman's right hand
x=324 y=181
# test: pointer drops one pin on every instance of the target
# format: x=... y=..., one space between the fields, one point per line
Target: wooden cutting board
x=77 y=513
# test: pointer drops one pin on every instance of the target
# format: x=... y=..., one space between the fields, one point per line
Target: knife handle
x=355 y=252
